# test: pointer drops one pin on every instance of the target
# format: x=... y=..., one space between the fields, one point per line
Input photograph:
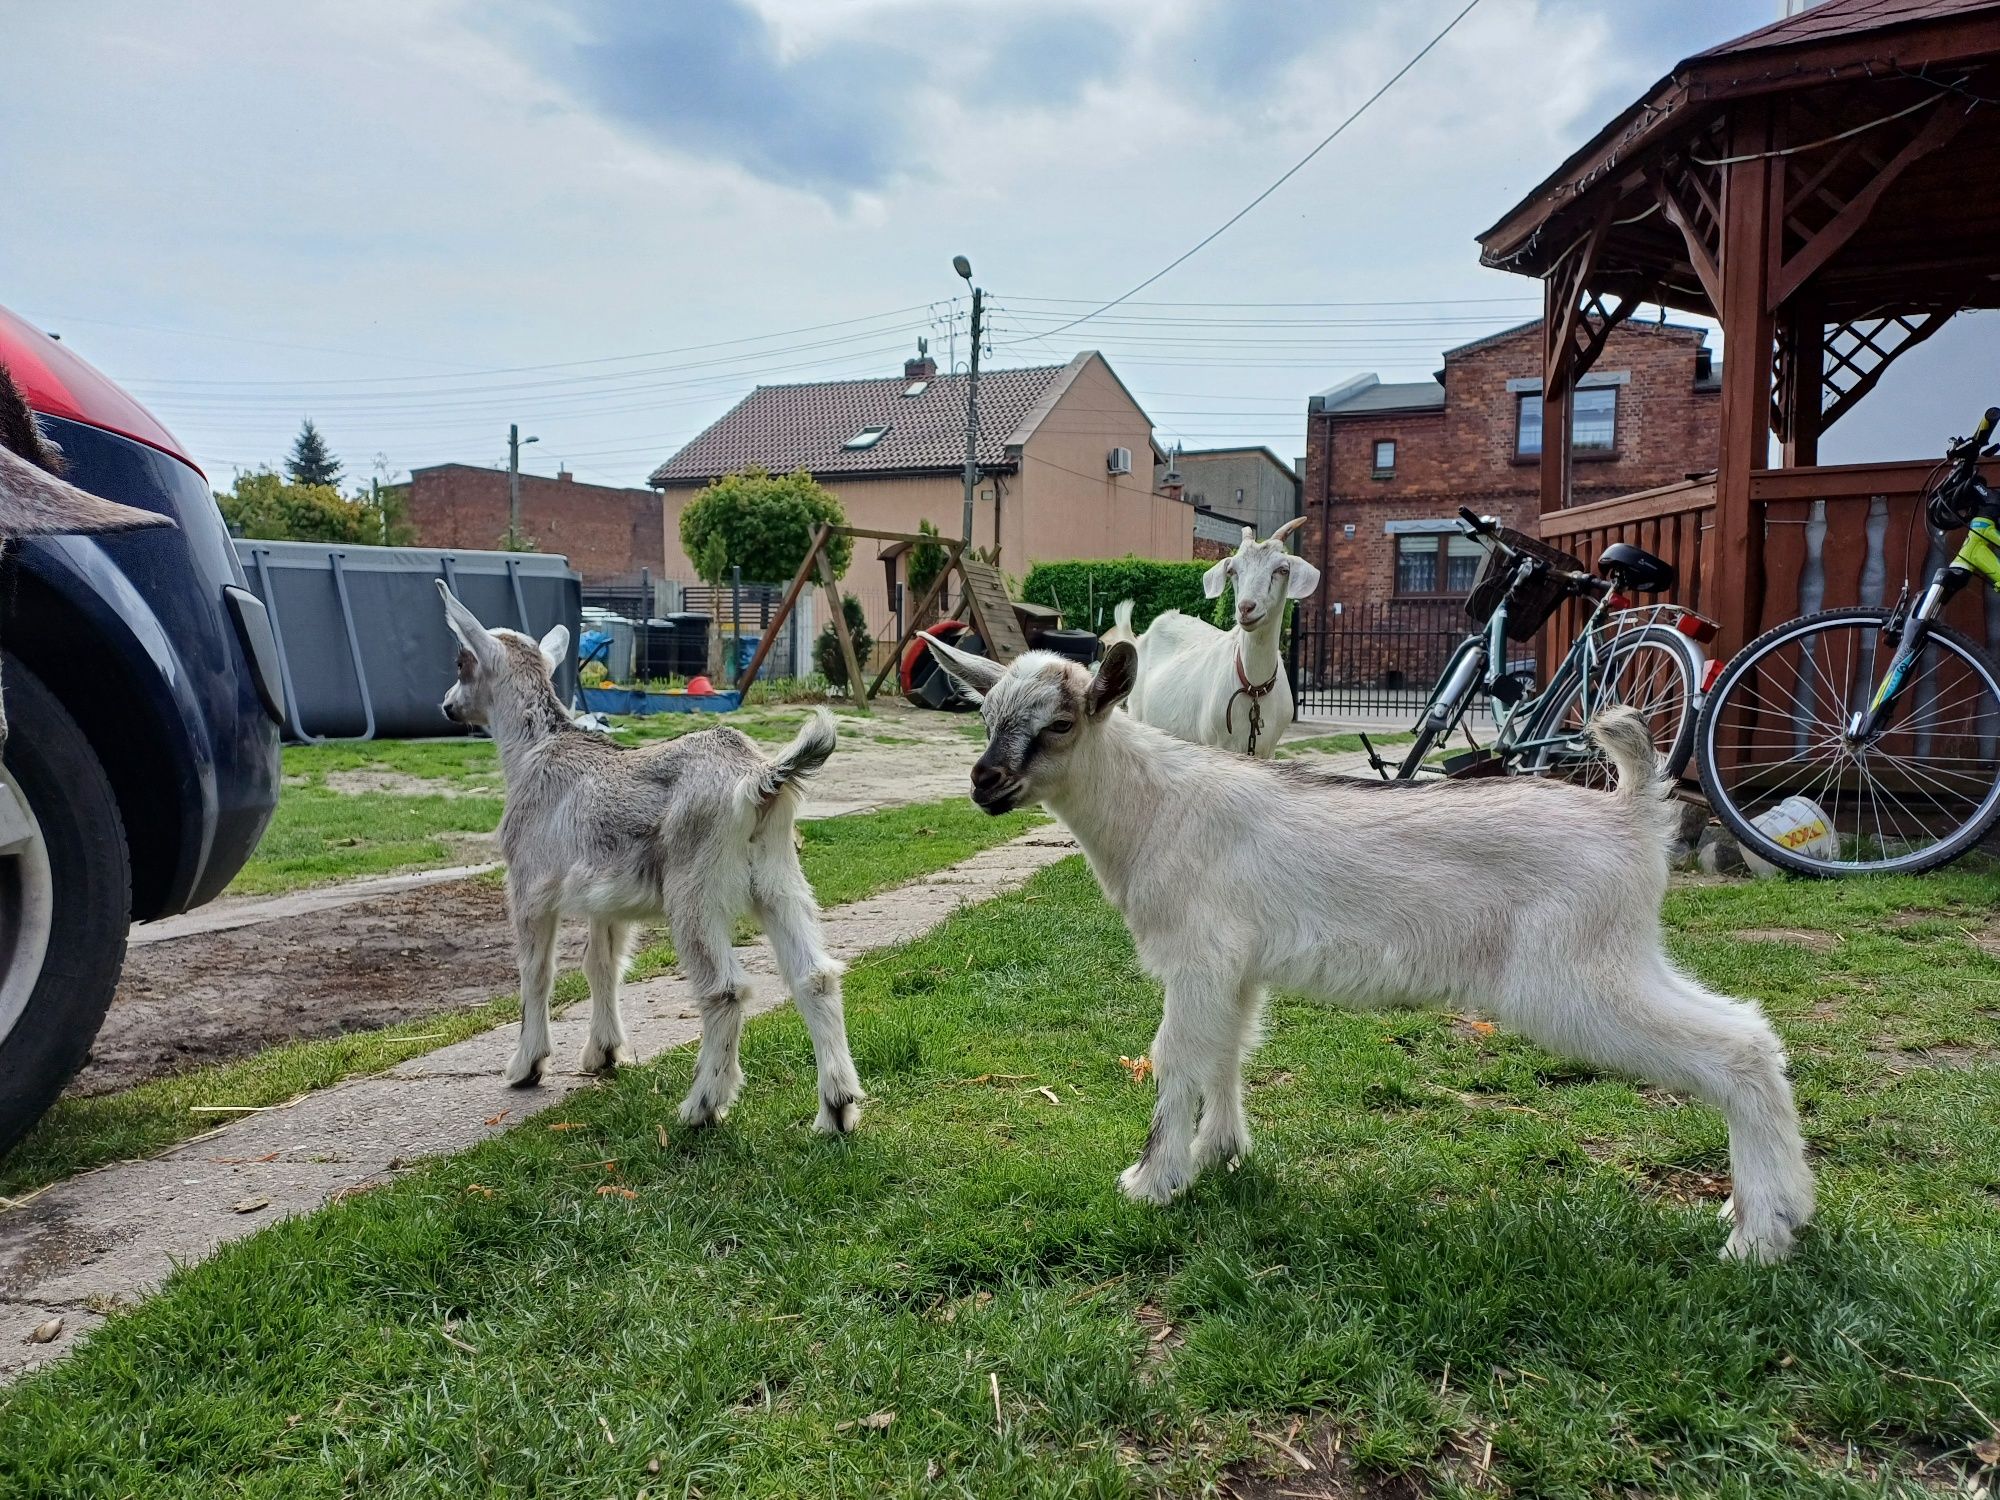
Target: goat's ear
x=1116 y=676
x=33 y=502
x=1301 y=578
x=555 y=646
x=465 y=625
x=974 y=673
x=1216 y=579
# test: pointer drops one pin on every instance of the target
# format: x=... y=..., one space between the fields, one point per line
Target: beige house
x=1065 y=464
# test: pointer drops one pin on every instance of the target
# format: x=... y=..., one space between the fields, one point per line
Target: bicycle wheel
x=1781 y=773
x=1651 y=669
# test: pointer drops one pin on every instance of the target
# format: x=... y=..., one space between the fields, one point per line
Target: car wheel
x=65 y=900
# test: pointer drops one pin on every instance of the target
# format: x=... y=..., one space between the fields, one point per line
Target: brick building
x=1388 y=465
x=605 y=532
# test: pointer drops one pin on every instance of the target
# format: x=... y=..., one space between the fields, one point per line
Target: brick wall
x=1463 y=454
x=605 y=532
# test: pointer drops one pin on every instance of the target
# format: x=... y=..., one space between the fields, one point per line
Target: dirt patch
x=214 y=996
x=401 y=784
x=1900 y=1060
x=1686 y=1185
x=1299 y=1465
x=1811 y=939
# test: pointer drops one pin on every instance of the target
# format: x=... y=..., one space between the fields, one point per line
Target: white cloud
x=431 y=188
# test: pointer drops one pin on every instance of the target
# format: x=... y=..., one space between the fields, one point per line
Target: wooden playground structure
x=982 y=593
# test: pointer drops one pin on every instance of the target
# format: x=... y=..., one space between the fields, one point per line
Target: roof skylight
x=867 y=437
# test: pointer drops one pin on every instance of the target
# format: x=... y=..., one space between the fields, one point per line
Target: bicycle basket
x=1536 y=598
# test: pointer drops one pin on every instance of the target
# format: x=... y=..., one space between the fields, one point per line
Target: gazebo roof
x=1891 y=109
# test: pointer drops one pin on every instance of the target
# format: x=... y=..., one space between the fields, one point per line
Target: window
x=1593 y=421
x=1385 y=457
x=1418 y=558
x=916 y=387
x=1528 y=426
x=867 y=437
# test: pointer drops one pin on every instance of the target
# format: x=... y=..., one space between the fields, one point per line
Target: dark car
x=143 y=707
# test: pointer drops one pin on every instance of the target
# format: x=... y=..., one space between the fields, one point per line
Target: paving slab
x=107 y=1238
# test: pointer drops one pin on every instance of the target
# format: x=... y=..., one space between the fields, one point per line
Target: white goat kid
x=1534 y=900
x=698 y=829
x=1225 y=688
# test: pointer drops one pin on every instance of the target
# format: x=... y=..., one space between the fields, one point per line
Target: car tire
x=51 y=766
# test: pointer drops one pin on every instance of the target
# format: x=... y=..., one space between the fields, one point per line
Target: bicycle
x=1823 y=761
x=1649 y=657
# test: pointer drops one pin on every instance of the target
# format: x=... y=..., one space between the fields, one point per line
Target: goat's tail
x=1622 y=733
x=1122 y=615
x=779 y=780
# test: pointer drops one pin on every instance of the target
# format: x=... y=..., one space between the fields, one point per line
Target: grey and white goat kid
x=1535 y=901
x=1225 y=688
x=698 y=829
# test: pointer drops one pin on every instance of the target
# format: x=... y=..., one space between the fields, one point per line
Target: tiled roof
x=787 y=427
x=1838 y=18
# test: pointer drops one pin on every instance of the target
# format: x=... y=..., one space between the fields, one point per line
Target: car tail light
x=1709 y=674
x=1696 y=627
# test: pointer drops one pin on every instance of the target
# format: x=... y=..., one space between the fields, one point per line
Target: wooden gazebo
x=1828 y=188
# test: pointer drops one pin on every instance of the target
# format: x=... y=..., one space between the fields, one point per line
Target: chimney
x=923 y=367
x=565 y=476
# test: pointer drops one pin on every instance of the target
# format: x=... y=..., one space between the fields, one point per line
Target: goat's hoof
x=837 y=1117
x=1761 y=1245
x=598 y=1057
x=525 y=1072
x=699 y=1111
x=1144 y=1183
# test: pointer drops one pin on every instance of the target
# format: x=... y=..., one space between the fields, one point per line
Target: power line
x=754 y=338
x=1288 y=174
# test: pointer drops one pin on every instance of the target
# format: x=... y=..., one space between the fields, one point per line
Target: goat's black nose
x=985 y=778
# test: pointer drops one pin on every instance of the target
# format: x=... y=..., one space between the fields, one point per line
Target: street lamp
x=515 y=443
x=964 y=268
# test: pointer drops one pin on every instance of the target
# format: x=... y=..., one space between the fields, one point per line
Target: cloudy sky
x=418 y=220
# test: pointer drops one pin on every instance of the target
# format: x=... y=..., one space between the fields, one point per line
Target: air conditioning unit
x=1118 y=461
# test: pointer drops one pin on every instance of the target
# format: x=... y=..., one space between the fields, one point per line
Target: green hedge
x=1087 y=592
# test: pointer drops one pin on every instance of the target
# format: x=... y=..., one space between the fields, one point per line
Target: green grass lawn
x=415 y=804
x=1472 y=1268
x=1340 y=744
x=846 y=859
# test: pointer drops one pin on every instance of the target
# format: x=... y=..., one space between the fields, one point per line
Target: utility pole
x=515 y=443
x=964 y=268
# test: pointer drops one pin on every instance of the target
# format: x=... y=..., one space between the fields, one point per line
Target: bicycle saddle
x=1635 y=568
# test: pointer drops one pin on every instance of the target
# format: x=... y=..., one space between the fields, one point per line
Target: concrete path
x=232 y=912
x=107 y=1238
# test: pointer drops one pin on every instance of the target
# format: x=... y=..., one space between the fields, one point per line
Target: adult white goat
x=1531 y=898
x=1225 y=688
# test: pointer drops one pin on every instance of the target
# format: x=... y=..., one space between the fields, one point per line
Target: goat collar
x=1255 y=694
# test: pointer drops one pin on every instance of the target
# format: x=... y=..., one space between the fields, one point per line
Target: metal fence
x=1376 y=661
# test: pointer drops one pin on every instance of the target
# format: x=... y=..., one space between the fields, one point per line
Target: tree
x=762 y=523
x=826 y=650
x=924 y=562
x=264 y=506
x=311 y=461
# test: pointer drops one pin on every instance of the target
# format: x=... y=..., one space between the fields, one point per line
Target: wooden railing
x=1831 y=536
x=1672 y=522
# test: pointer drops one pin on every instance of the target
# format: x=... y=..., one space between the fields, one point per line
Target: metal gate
x=1377 y=661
